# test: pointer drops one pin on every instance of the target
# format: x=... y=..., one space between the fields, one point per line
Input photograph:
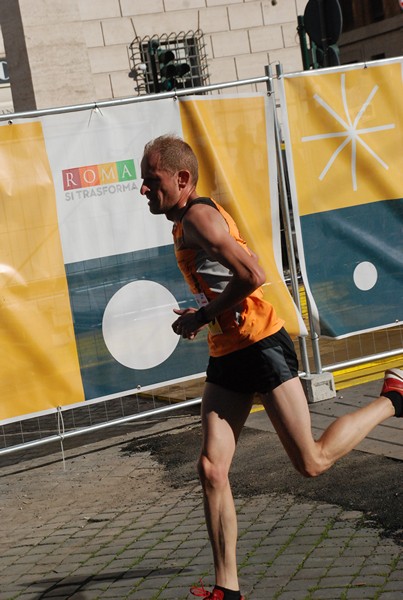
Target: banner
x=233 y=138
x=344 y=133
x=39 y=364
x=89 y=277
x=120 y=266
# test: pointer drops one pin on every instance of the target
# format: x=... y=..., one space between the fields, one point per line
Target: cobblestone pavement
x=104 y=524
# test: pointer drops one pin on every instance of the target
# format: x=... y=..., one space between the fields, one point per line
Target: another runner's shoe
x=393 y=381
x=201 y=592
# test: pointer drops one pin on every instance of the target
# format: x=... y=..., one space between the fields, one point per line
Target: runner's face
x=160 y=187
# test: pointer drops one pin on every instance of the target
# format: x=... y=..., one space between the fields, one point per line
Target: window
x=348 y=14
x=377 y=12
x=168 y=62
x=378 y=56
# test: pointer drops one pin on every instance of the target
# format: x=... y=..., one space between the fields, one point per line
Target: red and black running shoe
x=201 y=592
x=393 y=381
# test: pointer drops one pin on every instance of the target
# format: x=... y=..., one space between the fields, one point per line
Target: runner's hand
x=187 y=325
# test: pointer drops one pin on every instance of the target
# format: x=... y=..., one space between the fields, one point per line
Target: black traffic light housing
x=328 y=58
x=171 y=70
x=168 y=71
x=323 y=22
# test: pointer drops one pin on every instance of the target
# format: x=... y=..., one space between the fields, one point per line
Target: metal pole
x=152 y=46
x=323 y=32
x=314 y=335
x=104 y=425
x=353 y=362
x=314 y=340
x=306 y=63
x=130 y=100
x=286 y=215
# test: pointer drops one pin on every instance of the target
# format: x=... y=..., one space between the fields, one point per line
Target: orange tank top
x=242 y=325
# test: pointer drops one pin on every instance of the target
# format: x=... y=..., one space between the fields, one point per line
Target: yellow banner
x=229 y=137
x=347 y=127
x=39 y=365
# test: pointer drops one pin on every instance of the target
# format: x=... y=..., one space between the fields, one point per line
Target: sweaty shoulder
x=201 y=218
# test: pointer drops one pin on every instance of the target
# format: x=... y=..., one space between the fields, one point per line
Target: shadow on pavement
x=67 y=586
x=360 y=481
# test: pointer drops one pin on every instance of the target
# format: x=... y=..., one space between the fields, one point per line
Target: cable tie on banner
x=95 y=109
x=60 y=432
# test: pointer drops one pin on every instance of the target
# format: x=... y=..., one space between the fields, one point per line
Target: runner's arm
x=205 y=228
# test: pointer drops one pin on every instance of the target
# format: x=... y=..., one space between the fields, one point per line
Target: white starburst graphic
x=351 y=134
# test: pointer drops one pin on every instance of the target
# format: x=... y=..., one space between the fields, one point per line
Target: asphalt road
x=364 y=482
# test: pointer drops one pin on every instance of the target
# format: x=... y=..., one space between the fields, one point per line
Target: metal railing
x=59 y=430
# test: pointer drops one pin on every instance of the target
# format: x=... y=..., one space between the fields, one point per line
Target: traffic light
x=171 y=71
x=323 y=22
x=328 y=58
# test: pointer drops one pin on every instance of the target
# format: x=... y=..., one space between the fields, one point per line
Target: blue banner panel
x=354 y=259
x=122 y=309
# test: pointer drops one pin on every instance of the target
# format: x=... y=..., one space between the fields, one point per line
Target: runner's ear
x=183 y=178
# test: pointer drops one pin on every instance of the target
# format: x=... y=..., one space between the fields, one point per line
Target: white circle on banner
x=137 y=325
x=365 y=276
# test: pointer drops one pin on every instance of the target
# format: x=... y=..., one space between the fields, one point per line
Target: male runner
x=250 y=351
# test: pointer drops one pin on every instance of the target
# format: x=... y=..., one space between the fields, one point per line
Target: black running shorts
x=260 y=367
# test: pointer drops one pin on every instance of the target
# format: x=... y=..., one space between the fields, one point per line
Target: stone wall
x=78 y=51
x=242 y=36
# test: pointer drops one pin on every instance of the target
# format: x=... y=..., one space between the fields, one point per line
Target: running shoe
x=201 y=592
x=393 y=381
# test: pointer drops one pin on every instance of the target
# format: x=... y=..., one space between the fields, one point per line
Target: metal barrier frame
x=268 y=80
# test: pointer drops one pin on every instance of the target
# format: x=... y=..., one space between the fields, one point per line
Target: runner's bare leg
x=223 y=415
x=289 y=412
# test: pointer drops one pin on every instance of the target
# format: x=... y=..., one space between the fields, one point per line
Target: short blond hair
x=174 y=153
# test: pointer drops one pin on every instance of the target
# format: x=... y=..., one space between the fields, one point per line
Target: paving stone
x=158 y=547
x=398 y=595
x=363 y=593
x=330 y=594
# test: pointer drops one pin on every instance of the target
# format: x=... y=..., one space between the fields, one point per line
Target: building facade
x=63 y=53
x=372 y=30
